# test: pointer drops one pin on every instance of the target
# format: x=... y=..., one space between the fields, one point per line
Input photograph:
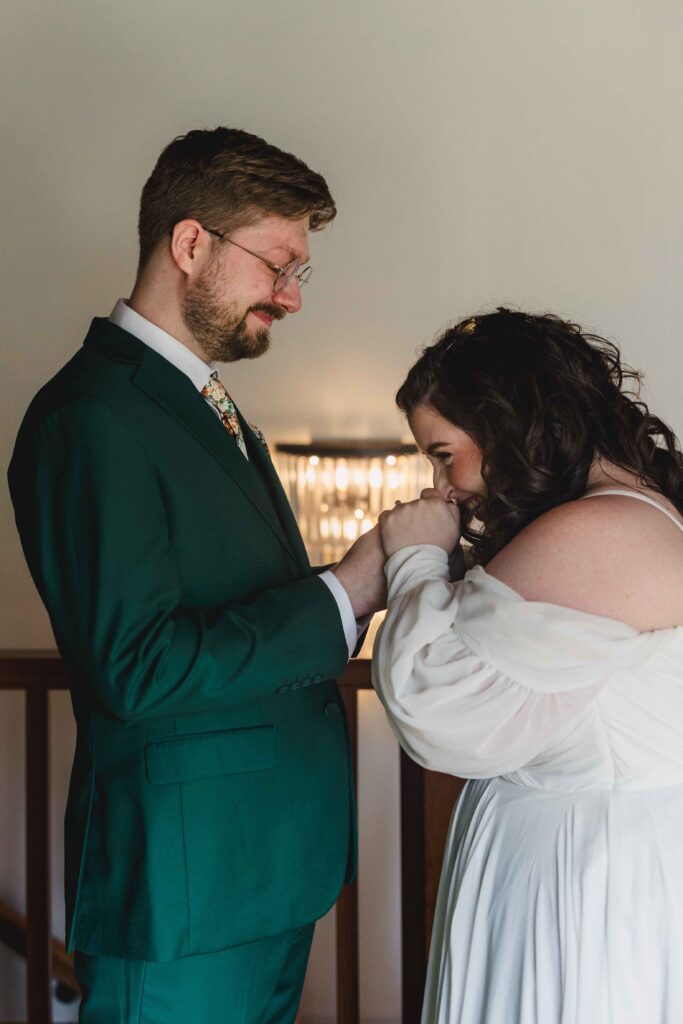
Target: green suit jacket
x=210 y=801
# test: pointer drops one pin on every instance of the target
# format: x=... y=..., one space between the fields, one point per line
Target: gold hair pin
x=468 y=327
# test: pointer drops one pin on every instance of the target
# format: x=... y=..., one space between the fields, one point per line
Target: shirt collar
x=163 y=344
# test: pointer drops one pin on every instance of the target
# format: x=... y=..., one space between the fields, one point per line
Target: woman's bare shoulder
x=611 y=555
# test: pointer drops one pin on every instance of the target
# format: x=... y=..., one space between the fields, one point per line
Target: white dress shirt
x=199 y=372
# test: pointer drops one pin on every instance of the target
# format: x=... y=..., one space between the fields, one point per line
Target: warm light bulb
x=350 y=529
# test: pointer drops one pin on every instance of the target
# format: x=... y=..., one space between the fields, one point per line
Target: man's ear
x=190 y=247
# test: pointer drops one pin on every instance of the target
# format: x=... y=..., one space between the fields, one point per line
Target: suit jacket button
x=332 y=710
x=282 y=689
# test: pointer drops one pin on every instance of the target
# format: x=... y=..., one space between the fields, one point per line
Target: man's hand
x=429 y=520
x=361 y=573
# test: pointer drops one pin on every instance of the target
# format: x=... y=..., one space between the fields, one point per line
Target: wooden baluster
x=37 y=858
x=348 y=975
x=413 y=881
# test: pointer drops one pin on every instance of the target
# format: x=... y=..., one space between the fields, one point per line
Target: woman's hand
x=428 y=520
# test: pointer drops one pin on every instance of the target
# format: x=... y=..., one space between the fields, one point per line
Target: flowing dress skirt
x=559 y=908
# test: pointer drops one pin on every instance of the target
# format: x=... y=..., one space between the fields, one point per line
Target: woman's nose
x=442 y=484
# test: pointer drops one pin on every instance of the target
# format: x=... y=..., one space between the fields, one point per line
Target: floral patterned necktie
x=215 y=393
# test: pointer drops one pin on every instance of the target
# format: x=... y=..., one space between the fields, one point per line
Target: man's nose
x=289 y=297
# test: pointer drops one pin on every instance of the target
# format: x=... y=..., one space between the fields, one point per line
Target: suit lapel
x=262 y=461
x=176 y=394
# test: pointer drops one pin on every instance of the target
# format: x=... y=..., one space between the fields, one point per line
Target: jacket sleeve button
x=332 y=710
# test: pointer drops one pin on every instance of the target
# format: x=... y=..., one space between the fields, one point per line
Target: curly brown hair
x=227 y=178
x=542 y=399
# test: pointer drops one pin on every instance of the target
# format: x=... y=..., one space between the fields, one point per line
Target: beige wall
x=526 y=152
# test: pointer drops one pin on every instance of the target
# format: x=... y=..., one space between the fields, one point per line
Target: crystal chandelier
x=338 y=488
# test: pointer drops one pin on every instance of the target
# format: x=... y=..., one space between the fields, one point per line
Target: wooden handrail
x=32 y=669
x=38 y=672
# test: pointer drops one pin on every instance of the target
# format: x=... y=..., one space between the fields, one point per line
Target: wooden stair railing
x=13 y=928
x=36 y=673
x=426 y=802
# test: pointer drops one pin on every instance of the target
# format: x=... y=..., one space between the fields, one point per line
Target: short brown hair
x=227 y=178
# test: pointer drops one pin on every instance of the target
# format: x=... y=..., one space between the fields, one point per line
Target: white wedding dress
x=561 y=894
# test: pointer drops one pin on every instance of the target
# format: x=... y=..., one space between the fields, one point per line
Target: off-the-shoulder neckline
x=480 y=570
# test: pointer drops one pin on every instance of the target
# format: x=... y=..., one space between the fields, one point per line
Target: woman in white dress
x=551 y=676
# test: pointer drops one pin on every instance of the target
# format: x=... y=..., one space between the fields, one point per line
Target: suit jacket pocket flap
x=203 y=755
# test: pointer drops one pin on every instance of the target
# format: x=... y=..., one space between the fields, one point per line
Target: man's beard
x=219 y=328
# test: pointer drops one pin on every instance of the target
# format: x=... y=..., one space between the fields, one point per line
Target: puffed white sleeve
x=477 y=681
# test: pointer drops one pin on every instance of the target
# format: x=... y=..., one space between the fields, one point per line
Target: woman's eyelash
x=444 y=458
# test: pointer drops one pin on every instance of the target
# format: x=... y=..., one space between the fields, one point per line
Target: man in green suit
x=210 y=818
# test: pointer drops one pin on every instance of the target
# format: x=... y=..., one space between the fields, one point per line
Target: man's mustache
x=274 y=312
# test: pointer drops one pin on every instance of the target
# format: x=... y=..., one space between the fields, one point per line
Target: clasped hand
x=430 y=519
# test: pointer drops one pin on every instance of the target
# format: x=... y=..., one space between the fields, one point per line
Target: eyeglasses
x=283 y=275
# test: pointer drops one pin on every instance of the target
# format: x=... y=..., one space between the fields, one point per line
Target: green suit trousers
x=257 y=983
